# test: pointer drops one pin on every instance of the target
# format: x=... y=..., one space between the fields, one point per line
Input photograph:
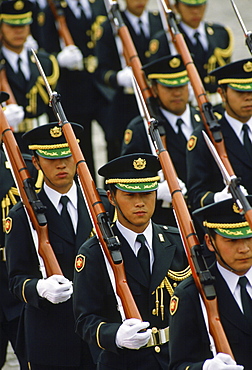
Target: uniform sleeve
x=97 y=319
x=22 y=261
x=189 y=344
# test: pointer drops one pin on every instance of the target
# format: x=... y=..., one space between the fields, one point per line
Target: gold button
x=154 y=330
x=175 y=284
x=157 y=349
x=154 y=311
x=28 y=108
x=90 y=45
x=89 y=32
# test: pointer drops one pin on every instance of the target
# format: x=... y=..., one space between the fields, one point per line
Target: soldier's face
x=136 y=7
x=191 y=15
x=14 y=37
x=173 y=99
x=58 y=173
x=237 y=253
x=135 y=209
x=237 y=104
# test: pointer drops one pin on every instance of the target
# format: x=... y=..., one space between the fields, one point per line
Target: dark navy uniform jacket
x=33 y=96
x=220 y=48
x=189 y=341
x=47 y=333
x=204 y=177
x=95 y=306
x=136 y=139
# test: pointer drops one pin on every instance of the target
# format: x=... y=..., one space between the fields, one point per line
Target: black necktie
x=82 y=13
x=143 y=256
x=200 y=52
x=245 y=298
x=65 y=215
x=246 y=140
x=180 y=134
x=20 y=74
x=142 y=36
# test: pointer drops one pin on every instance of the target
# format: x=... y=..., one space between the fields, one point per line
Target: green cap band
x=137 y=187
x=235 y=233
x=193 y=2
x=54 y=153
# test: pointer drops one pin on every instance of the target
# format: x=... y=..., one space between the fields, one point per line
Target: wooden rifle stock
x=25 y=188
x=58 y=12
x=6 y=87
x=211 y=125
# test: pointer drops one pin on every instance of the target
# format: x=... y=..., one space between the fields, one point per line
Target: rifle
x=211 y=124
x=59 y=16
x=248 y=34
x=202 y=276
x=108 y=241
x=32 y=203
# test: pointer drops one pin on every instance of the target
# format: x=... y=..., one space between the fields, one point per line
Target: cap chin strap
x=119 y=209
x=221 y=258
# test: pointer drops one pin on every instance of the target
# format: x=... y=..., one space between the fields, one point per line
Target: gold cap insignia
x=174 y=63
x=79 y=262
x=19 y=5
x=56 y=131
x=247 y=67
x=139 y=164
x=236 y=208
x=173 y=304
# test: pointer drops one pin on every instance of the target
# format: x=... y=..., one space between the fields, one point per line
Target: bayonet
x=248 y=34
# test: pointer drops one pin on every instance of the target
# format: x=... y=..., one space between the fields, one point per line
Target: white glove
x=71 y=58
x=55 y=289
x=31 y=43
x=221 y=361
x=124 y=77
x=128 y=335
x=225 y=194
x=14 y=114
x=163 y=191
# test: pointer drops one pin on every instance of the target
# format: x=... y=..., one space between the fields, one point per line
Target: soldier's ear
x=209 y=243
x=110 y=197
x=35 y=162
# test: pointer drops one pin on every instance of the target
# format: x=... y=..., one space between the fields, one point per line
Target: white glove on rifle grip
x=71 y=58
x=163 y=191
x=225 y=194
x=221 y=361
x=55 y=289
x=128 y=335
x=14 y=114
x=124 y=77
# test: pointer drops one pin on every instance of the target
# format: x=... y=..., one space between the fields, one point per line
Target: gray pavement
x=218 y=11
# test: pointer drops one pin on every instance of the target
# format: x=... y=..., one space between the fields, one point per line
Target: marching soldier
x=10 y=307
x=229 y=237
x=81 y=97
x=205 y=182
x=154 y=262
x=169 y=82
x=113 y=72
x=47 y=335
x=210 y=44
x=22 y=73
